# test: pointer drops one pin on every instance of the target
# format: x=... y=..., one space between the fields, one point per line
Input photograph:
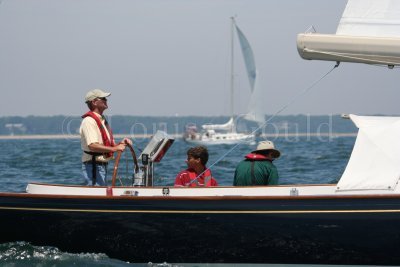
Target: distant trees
x=16 y=125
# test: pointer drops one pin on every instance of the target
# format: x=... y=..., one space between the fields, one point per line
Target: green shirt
x=265 y=173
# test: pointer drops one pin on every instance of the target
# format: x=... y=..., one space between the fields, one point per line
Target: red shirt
x=184 y=178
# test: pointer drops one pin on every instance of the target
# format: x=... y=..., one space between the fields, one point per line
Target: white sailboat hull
x=219 y=138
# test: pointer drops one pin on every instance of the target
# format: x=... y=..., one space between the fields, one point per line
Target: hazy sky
x=171 y=57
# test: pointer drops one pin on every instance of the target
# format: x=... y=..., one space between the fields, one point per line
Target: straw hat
x=267 y=145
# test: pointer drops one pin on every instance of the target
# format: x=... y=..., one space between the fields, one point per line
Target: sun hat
x=267 y=145
x=95 y=93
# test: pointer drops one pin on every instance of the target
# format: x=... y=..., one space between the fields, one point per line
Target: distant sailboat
x=226 y=133
x=368 y=32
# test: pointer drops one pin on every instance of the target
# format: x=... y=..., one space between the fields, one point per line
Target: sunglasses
x=102 y=98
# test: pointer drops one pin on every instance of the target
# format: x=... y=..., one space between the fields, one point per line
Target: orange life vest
x=204 y=176
x=106 y=141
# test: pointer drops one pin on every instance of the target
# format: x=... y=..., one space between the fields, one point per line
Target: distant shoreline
x=176 y=136
x=59 y=136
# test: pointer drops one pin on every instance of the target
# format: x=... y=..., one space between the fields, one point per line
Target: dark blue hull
x=298 y=230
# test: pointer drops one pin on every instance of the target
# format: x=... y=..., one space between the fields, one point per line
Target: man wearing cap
x=97 y=141
x=257 y=168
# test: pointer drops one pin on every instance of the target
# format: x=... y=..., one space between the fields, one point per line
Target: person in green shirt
x=257 y=167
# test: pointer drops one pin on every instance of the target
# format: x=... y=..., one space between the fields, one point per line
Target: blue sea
x=304 y=160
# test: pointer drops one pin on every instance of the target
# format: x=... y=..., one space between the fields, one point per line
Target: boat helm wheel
x=116 y=164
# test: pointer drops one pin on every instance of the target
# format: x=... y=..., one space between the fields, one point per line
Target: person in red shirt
x=197 y=173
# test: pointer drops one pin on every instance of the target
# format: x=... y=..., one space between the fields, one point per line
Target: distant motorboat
x=213 y=134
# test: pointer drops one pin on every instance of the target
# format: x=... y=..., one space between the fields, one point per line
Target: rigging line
x=299 y=95
x=265 y=123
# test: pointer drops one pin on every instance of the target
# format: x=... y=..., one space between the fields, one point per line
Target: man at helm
x=97 y=140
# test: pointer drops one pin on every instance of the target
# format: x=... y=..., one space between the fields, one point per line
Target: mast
x=232 y=69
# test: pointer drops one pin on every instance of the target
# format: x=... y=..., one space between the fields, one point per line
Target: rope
x=274 y=115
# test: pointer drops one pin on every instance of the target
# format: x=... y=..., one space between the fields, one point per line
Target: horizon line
x=203 y=116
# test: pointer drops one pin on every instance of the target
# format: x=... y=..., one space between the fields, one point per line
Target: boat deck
x=265 y=191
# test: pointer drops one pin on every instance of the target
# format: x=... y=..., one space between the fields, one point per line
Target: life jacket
x=207 y=177
x=253 y=157
x=106 y=141
x=256 y=157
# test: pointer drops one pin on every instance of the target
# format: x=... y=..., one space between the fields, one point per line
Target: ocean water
x=304 y=160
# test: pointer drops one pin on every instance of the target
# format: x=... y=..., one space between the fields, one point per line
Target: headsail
x=255 y=112
x=368 y=32
x=248 y=57
x=375 y=160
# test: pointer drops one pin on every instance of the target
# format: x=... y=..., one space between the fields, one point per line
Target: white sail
x=370 y=18
x=368 y=32
x=255 y=112
x=248 y=57
x=375 y=160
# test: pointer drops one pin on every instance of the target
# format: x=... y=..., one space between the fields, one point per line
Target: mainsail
x=368 y=32
x=379 y=18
